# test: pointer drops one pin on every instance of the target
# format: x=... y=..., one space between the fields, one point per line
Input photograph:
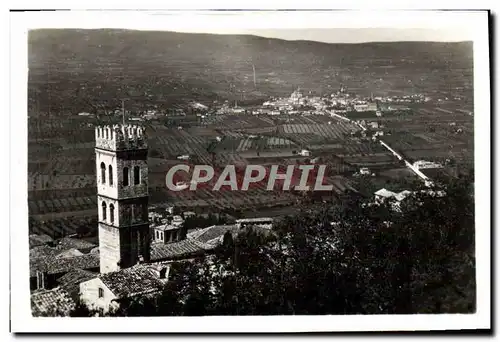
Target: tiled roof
x=161 y=251
x=53 y=265
x=38 y=240
x=159 y=265
x=71 y=281
x=44 y=251
x=61 y=246
x=69 y=253
x=47 y=302
x=68 y=243
x=210 y=233
x=166 y=227
x=385 y=193
x=131 y=281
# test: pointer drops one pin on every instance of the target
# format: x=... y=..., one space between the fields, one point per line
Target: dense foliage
x=350 y=259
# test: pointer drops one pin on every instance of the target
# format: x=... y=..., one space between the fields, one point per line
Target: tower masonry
x=122 y=193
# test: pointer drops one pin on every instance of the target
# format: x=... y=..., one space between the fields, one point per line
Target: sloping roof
x=69 y=253
x=53 y=265
x=68 y=243
x=70 y=282
x=44 y=251
x=385 y=193
x=50 y=301
x=38 y=240
x=63 y=245
x=163 y=251
x=210 y=233
x=254 y=220
x=166 y=227
x=403 y=194
x=131 y=281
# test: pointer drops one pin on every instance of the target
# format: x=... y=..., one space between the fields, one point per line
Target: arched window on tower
x=103 y=173
x=137 y=175
x=110 y=169
x=125 y=176
x=164 y=272
x=112 y=213
x=104 y=208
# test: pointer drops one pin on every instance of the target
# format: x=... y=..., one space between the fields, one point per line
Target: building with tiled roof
x=176 y=250
x=383 y=194
x=73 y=252
x=69 y=243
x=55 y=302
x=212 y=236
x=39 y=240
x=266 y=222
x=167 y=233
x=70 y=281
x=45 y=271
x=105 y=291
x=52 y=260
x=52 y=265
x=44 y=251
x=54 y=248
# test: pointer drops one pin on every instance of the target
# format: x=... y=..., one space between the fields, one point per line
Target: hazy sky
x=330 y=27
x=340 y=35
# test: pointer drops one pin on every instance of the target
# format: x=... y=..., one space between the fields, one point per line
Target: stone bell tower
x=122 y=194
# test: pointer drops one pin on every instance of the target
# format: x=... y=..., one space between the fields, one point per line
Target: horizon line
x=264 y=36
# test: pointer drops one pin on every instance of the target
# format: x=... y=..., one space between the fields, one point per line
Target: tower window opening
x=163 y=273
x=110 y=175
x=137 y=175
x=125 y=176
x=103 y=173
x=104 y=208
x=101 y=292
x=112 y=213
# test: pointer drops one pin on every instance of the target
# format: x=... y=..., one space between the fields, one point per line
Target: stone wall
x=109 y=248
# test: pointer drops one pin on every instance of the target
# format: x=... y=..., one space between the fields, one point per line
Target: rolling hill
x=80 y=70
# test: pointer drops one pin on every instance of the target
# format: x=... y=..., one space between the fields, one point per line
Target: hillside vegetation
x=75 y=70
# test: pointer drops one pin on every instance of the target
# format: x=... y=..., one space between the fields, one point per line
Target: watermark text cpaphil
x=307 y=177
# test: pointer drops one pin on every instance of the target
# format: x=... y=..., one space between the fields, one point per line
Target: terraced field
x=241 y=122
x=169 y=143
x=241 y=144
x=319 y=133
x=59 y=227
x=337 y=130
x=434 y=132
